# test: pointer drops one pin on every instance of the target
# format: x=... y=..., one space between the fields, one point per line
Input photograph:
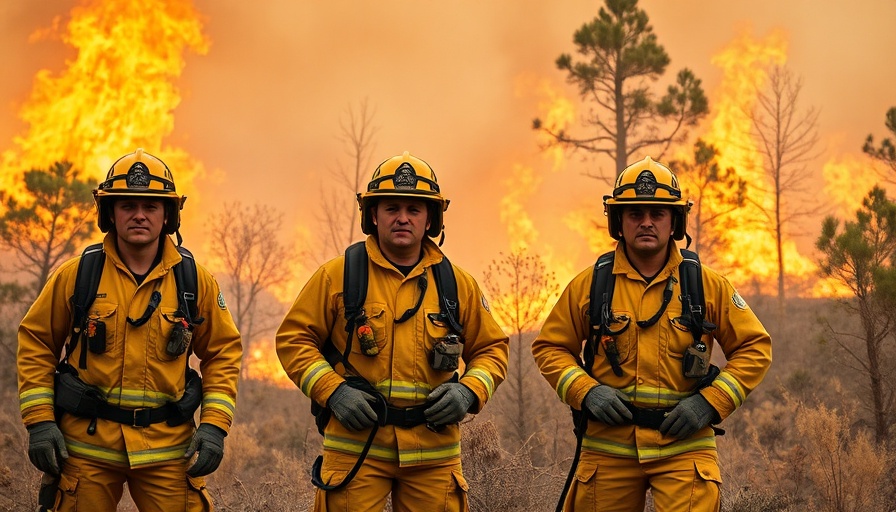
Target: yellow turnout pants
x=689 y=482
x=92 y=486
x=437 y=487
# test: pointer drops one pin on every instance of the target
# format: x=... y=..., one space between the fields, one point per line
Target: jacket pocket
x=677 y=337
x=106 y=314
x=624 y=342
x=165 y=322
x=378 y=322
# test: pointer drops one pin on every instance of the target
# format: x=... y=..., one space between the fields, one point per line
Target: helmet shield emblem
x=405 y=177
x=138 y=176
x=645 y=185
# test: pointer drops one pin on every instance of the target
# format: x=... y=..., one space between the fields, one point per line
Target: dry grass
x=800 y=443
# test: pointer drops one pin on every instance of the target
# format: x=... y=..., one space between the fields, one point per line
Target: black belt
x=404 y=417
x=646 y=417
x=135 y=417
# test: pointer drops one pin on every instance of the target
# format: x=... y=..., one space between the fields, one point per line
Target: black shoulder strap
x=446 y=287
x=602 y=283
x=354 y=293
x=87 y=281
x=187 y=280
x=693 y=303
x=354 y=289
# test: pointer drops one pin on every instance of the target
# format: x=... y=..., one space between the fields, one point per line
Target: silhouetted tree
x=521 y=290
x=787 y=136
x=620 y=56
x=244 y=241
x=338 y=218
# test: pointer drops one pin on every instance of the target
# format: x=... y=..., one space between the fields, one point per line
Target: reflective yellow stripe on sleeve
x=484 y=377
x=219 y=401
x=568 y=376
x=727 y=383
x=312 y=375
x=35 y=396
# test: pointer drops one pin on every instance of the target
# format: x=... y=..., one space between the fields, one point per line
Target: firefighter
x=131 y=364
x=408 y=378
x=650 y=415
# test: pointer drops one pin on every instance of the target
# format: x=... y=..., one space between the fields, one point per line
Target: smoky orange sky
x=458 y=83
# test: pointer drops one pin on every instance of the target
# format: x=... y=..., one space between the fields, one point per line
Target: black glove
x=352 y=408
x=208 y=440
x=46 y=447
x=689 y=416
x=605 y=404
x=451 y=403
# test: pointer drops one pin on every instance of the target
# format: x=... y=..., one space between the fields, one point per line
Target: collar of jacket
x=170 y=255
x=621 y=265
x=432 y=255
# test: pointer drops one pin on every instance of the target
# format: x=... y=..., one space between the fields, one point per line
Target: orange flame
x=117 y=94
x=847 y=185
x=560 y=114
x=744 y=64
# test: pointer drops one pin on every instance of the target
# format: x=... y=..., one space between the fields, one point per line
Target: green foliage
x=863 y=257
x=716 y=193
x=886 y=152
x=48 y=222
x=859 y=254
x=619 y=56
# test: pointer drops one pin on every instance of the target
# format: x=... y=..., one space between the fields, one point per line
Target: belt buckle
x=139 y=423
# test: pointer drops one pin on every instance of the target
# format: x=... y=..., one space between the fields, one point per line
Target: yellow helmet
x=646 y=182
x=138 y=174
x=404 y=176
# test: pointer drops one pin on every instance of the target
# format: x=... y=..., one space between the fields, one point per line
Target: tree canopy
x=48 y=222
x=620 y=56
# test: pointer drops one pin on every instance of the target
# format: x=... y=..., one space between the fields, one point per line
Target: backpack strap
x=354 y=293
x=602 y=284
x=87 y=281
x=446 y=286
x=187 y=280
x=693 y=303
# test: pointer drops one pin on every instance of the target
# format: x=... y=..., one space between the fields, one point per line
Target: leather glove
x=450 y=403
x=352 y=407
x=689 y=416
x=208 y=440
x=605 y=404
x=46 y=447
